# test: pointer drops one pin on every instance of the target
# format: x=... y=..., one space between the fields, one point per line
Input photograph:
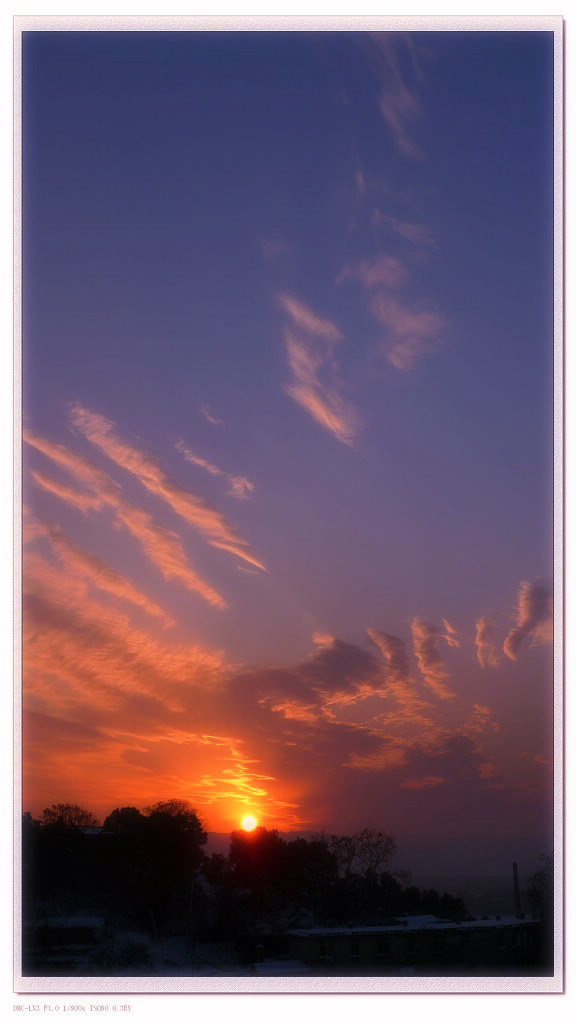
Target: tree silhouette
x=366 y=852
x=68 y=816
x=125 y=821
x=256 y=857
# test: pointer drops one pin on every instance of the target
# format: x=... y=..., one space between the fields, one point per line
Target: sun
x=249 y=823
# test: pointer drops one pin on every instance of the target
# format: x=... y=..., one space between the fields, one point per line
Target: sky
x=287 y=427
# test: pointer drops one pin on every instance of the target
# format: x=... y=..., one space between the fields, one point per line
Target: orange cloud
x=485 y=646
x=426 y=639
x=164 y=549
x=161 y=546
x=190 y=507
x=100 y=575
x=385 y=759
x=79 y=652
x=424 y=783
x=97 y=481
x=533 y=618
x=322 y=401
x=307 y=321
x=240 y=487
x=399 y=682
x=84 y=502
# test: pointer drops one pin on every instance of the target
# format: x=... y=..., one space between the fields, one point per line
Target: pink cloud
x=161 y=546
x=209 y=416
x=273 y=248
x=240 y=487
x=427 y=638
x=89 y=654
x=100 y=575
x=193 y=509
x=322 y=401
x=384 y=270
x=485 y=647
x=412 y=332
x=309 y=322
x=427 y=782
x=533 y=618
x=399 y=102
x=84 y=502
x=417 y=233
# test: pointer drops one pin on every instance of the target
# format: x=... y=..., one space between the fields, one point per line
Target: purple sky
x=287 y=357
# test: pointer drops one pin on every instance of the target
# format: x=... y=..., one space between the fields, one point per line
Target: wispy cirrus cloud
x=427 y=782
x=162 y=546
x=315 y=385
x=84 y=502
x=190 y=507
x=533 y=618
x=418 y=233
x=209 y=415
x=97 y=572
x=273 y=248
x=427 y=639
x=412 y=331
x=240 y=487
x=99 y=484
x=171 y=718
x=400 y=684
x=306 y=320
x=486 y=650
x=384 y=270
x=87 y=653
x=165 y=550
x=399 y=101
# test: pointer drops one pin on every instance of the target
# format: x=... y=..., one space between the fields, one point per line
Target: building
x=419 y=940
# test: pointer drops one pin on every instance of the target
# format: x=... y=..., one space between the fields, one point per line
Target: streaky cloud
x=161 y=546
x=486 y=650
x=399 y=682
x=533 y=618
x=84 y=502
x=240 y=487
x=418 y=233
x=88 y=654
x=209 y=416
x=399 y=103
x=384 y=271
x=413 y=332
x=306 y=320
x=99 y=574
x=210 y=523
x=427 y=782
x=427 y=639
x=322 y=401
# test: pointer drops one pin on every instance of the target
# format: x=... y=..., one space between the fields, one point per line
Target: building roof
x=417 y=922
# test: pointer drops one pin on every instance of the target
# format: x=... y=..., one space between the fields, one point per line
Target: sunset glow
x=288 y=428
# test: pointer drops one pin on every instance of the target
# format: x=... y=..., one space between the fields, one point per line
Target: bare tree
x=374 y=849
x=366 y=852
x=68 y=816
